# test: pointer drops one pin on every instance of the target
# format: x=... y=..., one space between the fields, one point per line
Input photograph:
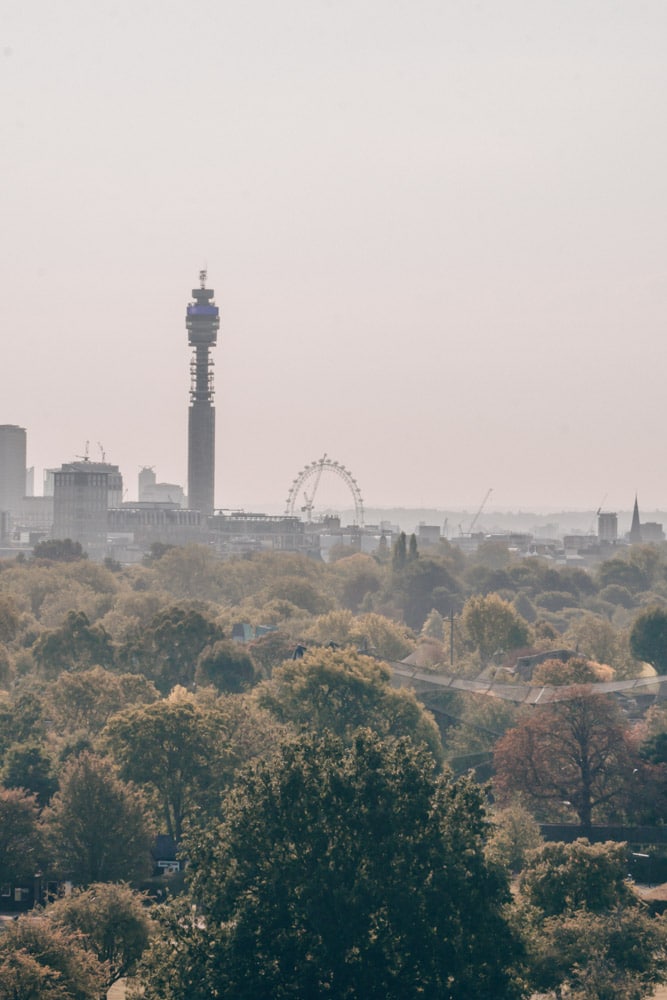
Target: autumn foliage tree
x=41 y=961
x=109 y=921
x=575 y=753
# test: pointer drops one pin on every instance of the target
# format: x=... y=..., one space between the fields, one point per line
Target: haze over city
x=436 y=235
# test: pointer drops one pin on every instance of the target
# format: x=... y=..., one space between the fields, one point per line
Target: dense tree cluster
x=586 y=933
x=331 y=849
x=346 y=869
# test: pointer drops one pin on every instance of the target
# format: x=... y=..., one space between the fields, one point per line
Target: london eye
x=305 y=486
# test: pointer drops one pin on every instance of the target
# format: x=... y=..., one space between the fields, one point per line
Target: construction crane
x=310 y=500
x=480 y=509
x=596 y=514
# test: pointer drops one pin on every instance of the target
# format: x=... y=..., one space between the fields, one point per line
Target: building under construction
x=83 y=493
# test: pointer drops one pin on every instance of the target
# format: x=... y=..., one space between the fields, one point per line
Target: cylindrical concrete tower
x=202 y=322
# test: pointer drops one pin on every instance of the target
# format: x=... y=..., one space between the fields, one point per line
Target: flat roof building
x=12 y=466
x=83 y=492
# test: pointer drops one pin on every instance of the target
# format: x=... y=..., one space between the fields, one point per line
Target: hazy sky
x=436 y=231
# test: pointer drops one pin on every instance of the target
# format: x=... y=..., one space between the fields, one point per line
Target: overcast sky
x=436 y=231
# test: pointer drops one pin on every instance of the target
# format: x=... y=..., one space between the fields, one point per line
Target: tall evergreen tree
x=399 y=555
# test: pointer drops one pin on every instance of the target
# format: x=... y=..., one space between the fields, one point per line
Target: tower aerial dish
x=313 y=471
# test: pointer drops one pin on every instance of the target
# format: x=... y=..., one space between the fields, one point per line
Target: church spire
x=635 y=535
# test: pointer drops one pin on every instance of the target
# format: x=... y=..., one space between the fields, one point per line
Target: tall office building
x=83 y=493
x=202 y=323
x=12 y=466
x=607 y=526
x=147 y=479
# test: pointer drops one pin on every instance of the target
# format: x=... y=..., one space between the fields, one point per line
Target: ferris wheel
x=311 y=474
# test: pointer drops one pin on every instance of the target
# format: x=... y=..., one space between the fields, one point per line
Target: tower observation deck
x=202 y=322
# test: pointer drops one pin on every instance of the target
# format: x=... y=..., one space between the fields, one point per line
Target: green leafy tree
x=523 y=606
x=190 y=572
x=23 y=977
x=76 y=644
x=270 y=650
x=238 y=731
x=380 y=636
x=21 y=849
x=21 y=719
x=168 y=648
x=587 y=935
x=481 y=721
x=97 y=825
x=59 y=550
x=595 y=637
x=358 y=576
x=515 y=833
x=5 y=667
x=576 y=671
x=227 y=666
x=340 y=690
x=174 y=965
x=346 y=870
x=302 y=593
x=370 y=632
x=434 y=626
x=88 y=698
x=555 y=600
x=40 y=961
x=560 y=877
x=493 y=625
x=399 y=555
x=624 y=573
x=620 y=955
x=10 y=618
x=165 y=747
x=422 y=585
x=29 y=766
x=648 y=638
x=614 y=593
x=111 y=921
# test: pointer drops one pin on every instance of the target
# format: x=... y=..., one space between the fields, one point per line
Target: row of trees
x=89 y=800
x=290 y=590
x=162 y=764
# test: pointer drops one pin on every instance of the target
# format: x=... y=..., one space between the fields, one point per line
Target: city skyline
x=436 y=237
